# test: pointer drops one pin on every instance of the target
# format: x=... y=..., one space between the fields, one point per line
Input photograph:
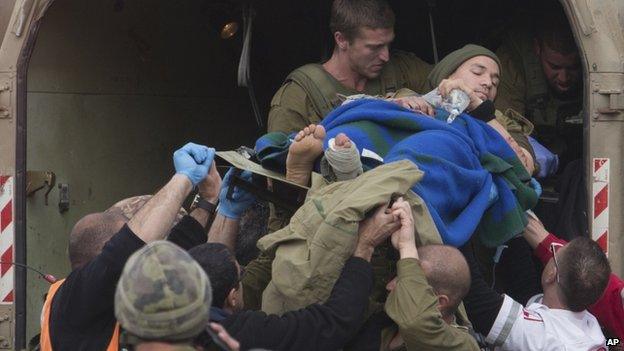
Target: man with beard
x=541 y=81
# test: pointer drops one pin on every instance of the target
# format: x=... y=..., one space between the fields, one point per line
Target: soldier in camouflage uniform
x=162 y=295
x=541 y=80
x=360 y=64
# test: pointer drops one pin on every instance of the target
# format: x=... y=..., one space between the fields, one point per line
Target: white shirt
x=537 y=327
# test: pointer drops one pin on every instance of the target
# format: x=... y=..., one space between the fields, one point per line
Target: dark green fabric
x=452 y=61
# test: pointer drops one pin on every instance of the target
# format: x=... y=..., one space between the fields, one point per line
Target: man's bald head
x=447 y=272
x=89 y=235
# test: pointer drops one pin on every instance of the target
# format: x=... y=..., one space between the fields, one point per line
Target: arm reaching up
x=154 y=220
x=224 y=229
x=534 y=233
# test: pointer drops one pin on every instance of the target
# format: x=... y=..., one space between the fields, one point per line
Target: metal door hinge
x=37 y=180
x=616 y=101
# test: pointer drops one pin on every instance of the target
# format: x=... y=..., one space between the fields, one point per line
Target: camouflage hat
x=163 y=294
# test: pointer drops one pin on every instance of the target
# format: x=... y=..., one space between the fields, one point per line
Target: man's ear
x=231 y=301
x=342 y=43
x=444 y=303
x=551 y=275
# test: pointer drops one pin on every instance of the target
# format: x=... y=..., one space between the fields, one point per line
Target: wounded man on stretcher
x=474 y=182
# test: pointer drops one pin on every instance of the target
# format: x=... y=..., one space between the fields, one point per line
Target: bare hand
x=225 y=336
x=534 y=233
x=404 y=238
x=416 y=104
x=374 y=231
x=210 y=186
x=447 y=85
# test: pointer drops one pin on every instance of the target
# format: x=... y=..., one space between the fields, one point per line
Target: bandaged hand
x=240 y=199
x=193 y=161
x=404 y=238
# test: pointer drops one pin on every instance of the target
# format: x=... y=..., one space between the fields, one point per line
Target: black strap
x=484 y=112
x=199 y=202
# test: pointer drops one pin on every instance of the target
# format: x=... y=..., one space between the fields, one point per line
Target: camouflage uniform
x=310 y=252
x=309 y=92
x=413 y=306
x=524 y=89
x=162 y=295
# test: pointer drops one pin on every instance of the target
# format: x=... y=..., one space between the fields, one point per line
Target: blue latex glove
x=547 y=161
x=193 y=161
x=241 y=199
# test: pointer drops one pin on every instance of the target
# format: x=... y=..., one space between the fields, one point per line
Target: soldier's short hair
x=447 y=272
x=348 y=16
x=552 y=29
x=89 y=235
x=219 y=263
x=583 y=273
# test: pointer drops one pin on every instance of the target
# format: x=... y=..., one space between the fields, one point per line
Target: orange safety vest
x=45 y=342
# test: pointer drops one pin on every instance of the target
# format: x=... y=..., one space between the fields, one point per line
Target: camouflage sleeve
x=257 y=276
x=413 y=307
x=512 y=85
x=415 y=70
x=291 y=110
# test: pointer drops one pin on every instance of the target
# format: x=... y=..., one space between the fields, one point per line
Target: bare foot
x=306 y=148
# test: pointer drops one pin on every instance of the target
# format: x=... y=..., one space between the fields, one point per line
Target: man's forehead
x=375 y=35
x=553 y=57
x=493 y=69
x=483 y=62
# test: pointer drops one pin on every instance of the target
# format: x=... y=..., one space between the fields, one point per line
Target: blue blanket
x=463 y=163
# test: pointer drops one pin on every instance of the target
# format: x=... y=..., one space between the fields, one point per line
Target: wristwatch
x=199 y=202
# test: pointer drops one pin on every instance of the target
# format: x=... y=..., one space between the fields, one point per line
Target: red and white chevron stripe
x=600 y=212
x=6 y=239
